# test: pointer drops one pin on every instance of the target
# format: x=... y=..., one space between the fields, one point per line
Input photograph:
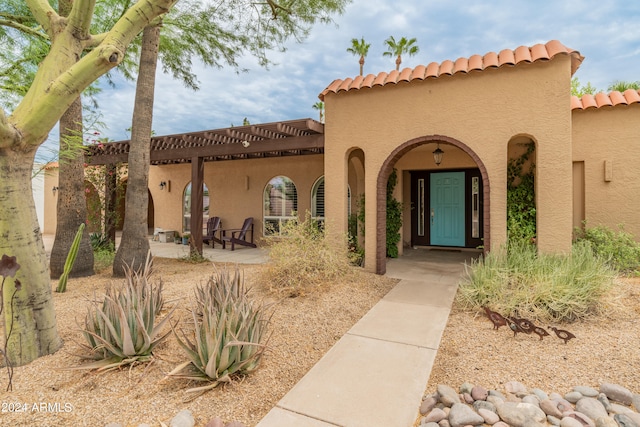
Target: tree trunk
x=134 y=244
x=29 y=315
x=72 y=202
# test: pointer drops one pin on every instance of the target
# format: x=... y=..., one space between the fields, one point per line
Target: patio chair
x=213 y=227
x=238 y=236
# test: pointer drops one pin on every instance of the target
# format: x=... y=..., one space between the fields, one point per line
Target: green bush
x=122 y=329
x=303 y=258
x=547 y=287
x=619 y=249
x=228 y=336
x=394 y=217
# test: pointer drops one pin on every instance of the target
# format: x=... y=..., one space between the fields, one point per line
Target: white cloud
x=605 y=32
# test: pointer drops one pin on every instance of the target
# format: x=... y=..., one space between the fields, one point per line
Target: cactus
x=71 y=259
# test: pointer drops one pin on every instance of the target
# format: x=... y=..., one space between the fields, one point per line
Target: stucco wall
x=235 y=187
x=610 y=135
x=484 y=111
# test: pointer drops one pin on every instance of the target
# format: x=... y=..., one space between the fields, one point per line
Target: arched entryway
x=387 y=168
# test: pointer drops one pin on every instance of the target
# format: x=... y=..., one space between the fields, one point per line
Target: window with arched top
x=186 y=207
x=280 y=204
x=317 y=200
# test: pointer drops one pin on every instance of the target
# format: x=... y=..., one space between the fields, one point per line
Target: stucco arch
x=381 y=191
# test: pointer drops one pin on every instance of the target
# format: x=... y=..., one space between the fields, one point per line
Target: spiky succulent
x=229 y=333
x=122 y=328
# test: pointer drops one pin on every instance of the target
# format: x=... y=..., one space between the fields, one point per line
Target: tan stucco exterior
x=482 y=111
x=585 y=159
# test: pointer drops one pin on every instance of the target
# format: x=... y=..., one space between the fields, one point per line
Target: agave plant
x=122 y=329
x=229 y=333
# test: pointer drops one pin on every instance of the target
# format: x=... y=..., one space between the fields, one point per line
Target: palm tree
x=320 y=107
x=621 y=86
x=361 y=48
x=399 y=48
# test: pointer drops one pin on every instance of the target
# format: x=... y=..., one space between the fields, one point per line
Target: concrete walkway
x=376 y=374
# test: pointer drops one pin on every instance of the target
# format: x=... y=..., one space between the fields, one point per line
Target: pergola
x=286 y=138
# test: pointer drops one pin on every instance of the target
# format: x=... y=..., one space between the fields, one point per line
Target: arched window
x=186 y=207
x=317 y=200
x=280 y=204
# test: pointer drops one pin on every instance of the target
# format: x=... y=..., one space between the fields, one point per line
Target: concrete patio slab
x=412 y=324
x=363 y=382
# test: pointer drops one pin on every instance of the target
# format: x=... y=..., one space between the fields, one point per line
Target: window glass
x=280 y=204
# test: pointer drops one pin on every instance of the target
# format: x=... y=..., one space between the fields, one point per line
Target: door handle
x=433 y=214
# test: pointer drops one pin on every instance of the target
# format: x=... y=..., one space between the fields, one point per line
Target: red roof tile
x=601 y=99
x=522 y=54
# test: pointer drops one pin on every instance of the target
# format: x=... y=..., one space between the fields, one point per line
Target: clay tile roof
x=506 y=57
x=601 y=99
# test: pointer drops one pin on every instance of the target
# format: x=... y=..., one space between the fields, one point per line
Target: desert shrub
x=122 y=329
x=547 y=287
x=228 y=336
x=521 y=198
x=305 y=258
x=394 y=217
x=618 y=248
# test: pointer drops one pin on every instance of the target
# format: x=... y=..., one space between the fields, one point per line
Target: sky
x=605 y=32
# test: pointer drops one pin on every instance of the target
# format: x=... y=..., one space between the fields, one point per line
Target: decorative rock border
x=611 y=405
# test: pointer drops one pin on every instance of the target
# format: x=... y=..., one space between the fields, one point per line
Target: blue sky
x=605 y=32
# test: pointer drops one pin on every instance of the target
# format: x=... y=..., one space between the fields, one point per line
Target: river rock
x=531 y=398
x=234 y=424
x=444 y=423
x=521 y=414
x=428 y=424
x=540 y=393
x=428 y=404
x=501 y=424
x=591 y=407
x=435 y=416
x=602 y=398
x=617 y=392
x=573 y=396
x=515 y=387
x=635 y=417
x=466 y=388
x=479 y=393
x=584 y=420
x=447 y=395
x=490 y=417
x=586 y=391
x=467 y=398
x=183 y=418
x=483 y=404
x=562 y=404
x=619 y=409
x=551 y=408
x=495 y=400
x=636 y=401
x=606 y=422
x=462 y=415
x=554 y=421
x=215 y=422
x=570 y=422
x=624 y=420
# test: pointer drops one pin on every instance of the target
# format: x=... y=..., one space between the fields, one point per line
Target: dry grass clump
x=547 y=287
x=306 y=258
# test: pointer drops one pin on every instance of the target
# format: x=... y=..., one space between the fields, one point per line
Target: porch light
x=163 y=184
x=437 y=155
x=54 y=189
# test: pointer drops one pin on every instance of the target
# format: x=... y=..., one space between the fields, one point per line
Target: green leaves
x=228 y=333
x=122 y=329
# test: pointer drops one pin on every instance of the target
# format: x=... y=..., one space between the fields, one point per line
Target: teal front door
x=446 y=215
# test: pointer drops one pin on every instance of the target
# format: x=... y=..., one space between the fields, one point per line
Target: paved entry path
x=376 y=374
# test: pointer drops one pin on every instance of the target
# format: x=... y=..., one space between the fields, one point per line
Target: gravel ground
x=303 y=329
x=606 y=349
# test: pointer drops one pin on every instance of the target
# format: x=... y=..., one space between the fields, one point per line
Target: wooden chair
x=238 y=236
x=213 y=227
